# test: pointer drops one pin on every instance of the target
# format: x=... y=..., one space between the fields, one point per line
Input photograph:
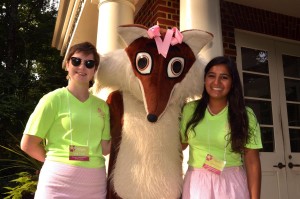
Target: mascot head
x=158 y=67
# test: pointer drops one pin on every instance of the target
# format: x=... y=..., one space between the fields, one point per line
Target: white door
x=270 y=73
x=288 y=63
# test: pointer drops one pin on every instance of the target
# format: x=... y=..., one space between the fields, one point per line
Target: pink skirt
x=203 y=184
x=62 y=181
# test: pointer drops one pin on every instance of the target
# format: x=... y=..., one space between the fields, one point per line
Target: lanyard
x=208 y=140
x=70 y=117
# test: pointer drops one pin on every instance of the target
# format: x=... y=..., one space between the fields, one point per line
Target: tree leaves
x=29 y=66
x=26 y=32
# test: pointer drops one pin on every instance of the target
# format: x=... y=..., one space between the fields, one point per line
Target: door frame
x=270 y=174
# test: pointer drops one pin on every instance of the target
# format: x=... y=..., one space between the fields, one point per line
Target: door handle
x=279 y=165
x=291 y=165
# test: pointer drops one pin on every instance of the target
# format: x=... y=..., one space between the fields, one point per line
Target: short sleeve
x=254 y=130
x=42 y=118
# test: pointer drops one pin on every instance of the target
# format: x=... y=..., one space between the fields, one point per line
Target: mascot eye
x=143 y=63
x=175 y=67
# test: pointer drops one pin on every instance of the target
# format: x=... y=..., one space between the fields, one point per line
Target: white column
x=203 y=15
x=112 y=13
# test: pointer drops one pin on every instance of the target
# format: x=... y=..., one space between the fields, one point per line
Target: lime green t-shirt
x=62 y=120
x=209 y=137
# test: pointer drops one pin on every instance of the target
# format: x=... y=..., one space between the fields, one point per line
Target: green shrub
x=25 y=186
x=22 y=169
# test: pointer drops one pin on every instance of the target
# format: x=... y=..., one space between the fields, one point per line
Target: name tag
x=213 y=164
x=80 y=153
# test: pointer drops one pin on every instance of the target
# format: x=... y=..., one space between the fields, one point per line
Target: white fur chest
x=149 y=163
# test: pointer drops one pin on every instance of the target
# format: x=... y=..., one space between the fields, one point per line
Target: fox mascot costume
x=151 y=80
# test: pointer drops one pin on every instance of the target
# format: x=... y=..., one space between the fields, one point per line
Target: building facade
x=263 y=36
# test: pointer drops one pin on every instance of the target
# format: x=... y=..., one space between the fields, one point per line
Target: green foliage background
x=29 y=67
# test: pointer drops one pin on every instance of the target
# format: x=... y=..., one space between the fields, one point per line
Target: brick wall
x=166 y=12
x=232 y=16
x=254 y=20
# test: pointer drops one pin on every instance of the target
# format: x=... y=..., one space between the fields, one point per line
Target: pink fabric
x=62 y=181
x=172 y=37
x=203 y=184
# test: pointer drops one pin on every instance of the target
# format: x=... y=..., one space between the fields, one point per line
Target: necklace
x=70 y=118
x=213 y=114
x=209 y=110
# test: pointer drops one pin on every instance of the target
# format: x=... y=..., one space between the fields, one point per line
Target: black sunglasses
x=76 y=61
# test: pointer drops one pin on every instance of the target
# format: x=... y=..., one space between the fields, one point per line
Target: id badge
x=80 y=153
x=213 y=164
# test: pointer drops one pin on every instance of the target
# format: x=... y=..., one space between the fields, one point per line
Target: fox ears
x=194 y=38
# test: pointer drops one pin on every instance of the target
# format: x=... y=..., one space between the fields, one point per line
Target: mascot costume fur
x=151 y=80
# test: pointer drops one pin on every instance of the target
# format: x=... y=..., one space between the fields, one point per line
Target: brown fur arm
x=115 y=102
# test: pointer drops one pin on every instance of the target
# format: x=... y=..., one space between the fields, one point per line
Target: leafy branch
x=25 y=181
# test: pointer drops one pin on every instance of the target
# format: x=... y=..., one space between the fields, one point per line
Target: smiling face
x=218 y=82
x=80 y=74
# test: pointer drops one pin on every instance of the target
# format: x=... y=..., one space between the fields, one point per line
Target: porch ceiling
x=67 y=17
x=75 y=17
x=286 y=7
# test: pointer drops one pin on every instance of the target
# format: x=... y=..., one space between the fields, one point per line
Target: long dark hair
x=237 y=114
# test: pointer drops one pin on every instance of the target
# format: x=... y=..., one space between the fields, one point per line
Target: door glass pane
x=254 y=60
x=295 y=140
x=257 y=92
x=267 y=137
x=292 y=90
x=262 y=110
x=256 y=86
x=293 y=114
x=291 y=66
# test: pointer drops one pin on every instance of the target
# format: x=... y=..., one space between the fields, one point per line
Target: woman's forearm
x=32 y=146
x=253 y=169
x=105 y=144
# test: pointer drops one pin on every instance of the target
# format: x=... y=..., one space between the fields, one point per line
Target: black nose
x=152 y=118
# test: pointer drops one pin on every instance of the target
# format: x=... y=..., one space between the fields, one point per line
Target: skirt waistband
x=190 y=168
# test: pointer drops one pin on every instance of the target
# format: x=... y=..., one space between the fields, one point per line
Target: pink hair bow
x=172 y=37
